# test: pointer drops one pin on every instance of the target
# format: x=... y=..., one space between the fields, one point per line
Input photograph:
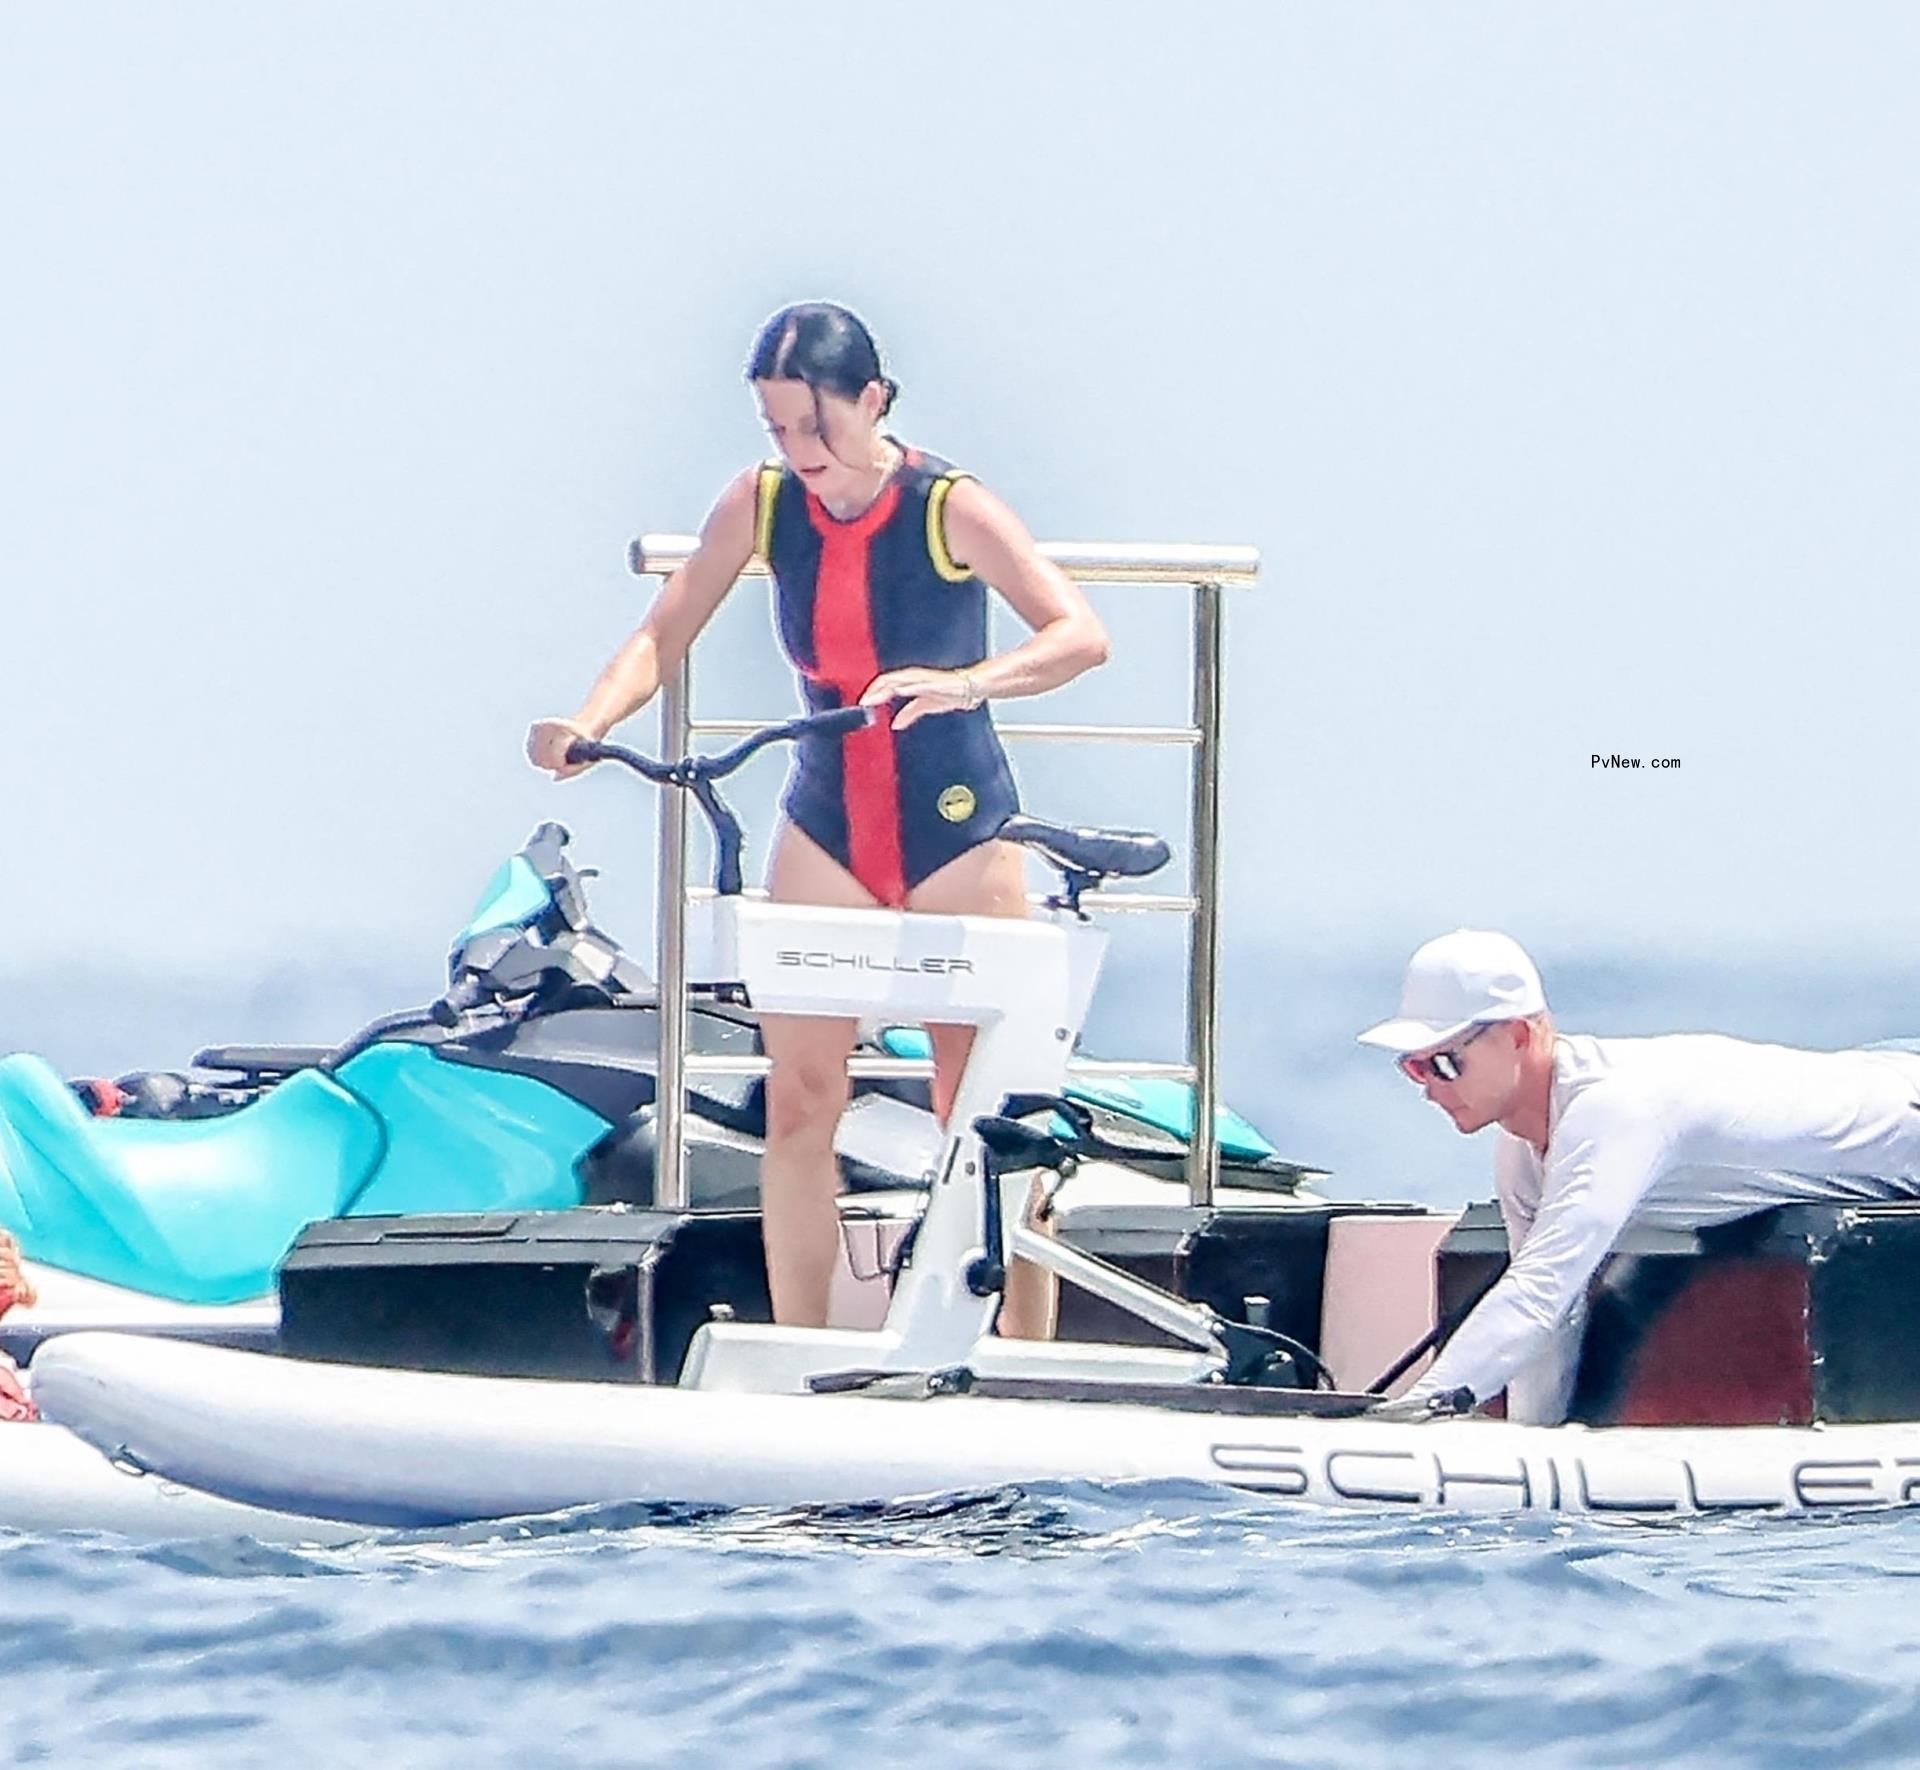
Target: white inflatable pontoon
x=52 y=1481
x=411 y=1449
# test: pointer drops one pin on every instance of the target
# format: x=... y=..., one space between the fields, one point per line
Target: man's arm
x=1516 y=1187
x=1540 y=1391
x=686 y=602
x=1605 y=1157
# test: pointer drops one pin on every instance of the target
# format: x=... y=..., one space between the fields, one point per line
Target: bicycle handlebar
x=698 y=773
x=835 y=722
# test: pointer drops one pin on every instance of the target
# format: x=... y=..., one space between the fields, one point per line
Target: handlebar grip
x=840 y=721
x=466 y=992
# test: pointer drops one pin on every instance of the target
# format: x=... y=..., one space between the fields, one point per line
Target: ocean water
x=1059 y=1626
x=1149 y=1625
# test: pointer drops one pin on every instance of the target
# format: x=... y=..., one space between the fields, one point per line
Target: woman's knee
x=805 y=1099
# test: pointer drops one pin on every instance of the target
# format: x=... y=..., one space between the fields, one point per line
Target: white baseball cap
x=1461 y=980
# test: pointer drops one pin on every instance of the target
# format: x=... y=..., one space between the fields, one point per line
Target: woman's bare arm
x=985 y=536
x=684 y=606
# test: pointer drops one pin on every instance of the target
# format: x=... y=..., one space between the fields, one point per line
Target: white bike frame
x=1023 y=985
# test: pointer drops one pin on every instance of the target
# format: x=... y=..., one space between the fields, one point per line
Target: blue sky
x=1559 y=359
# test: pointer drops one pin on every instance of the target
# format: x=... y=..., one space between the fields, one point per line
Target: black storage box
x=1786 y=1317
x=608 y=1294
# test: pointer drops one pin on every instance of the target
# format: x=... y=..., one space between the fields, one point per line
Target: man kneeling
x=1683 y=1131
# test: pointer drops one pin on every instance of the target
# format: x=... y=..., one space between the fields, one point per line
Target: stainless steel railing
x=1206 y=572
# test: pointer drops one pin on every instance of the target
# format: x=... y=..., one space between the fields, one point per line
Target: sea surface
x=1061 y=1625
x=1074 y=1625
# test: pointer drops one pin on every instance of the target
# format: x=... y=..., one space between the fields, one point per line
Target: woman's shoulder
x=927 y=466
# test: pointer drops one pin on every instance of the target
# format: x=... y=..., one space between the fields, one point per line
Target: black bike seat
x=1112 y=854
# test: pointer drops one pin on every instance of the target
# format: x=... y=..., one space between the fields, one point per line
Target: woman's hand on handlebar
x=924 y=692
x=548 y=741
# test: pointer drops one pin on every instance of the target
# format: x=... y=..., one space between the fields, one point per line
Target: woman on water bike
x=881 y=556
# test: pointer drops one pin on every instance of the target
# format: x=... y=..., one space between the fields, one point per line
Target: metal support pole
x=670 y=1082
x=1203 y=951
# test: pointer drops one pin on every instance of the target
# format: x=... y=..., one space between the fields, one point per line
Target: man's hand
x=1415 y=1409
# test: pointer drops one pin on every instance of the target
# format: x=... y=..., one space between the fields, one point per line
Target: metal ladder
x=1206 y=572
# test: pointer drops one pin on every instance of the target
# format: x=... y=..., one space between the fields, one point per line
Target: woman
x=881 y=557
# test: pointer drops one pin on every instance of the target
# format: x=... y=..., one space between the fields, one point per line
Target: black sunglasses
x=1441 y=1066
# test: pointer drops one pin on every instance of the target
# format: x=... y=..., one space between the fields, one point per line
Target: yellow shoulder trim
x=937 y=550
x=764 y=495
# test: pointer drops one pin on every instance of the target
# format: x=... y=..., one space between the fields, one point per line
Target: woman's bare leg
x=806 y=1094
x=989 y=880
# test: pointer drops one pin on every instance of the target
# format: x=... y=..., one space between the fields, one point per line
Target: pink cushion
x=1379 y=1295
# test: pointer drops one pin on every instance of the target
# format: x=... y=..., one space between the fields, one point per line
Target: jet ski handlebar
x=697 y=774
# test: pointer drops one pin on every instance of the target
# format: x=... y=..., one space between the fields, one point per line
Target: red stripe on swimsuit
x=847 y=658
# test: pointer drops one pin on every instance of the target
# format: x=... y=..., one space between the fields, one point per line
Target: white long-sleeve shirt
x=1681 y=1131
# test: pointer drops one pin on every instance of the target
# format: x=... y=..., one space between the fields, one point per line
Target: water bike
x=929 y=1399
x=165 y=1200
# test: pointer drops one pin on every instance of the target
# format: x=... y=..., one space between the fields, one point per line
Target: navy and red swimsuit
x=881 y=592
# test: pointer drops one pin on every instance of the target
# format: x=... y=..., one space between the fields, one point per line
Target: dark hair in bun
x=823 y=344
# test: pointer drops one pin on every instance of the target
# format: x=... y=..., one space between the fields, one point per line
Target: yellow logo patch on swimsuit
x=956 y=803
